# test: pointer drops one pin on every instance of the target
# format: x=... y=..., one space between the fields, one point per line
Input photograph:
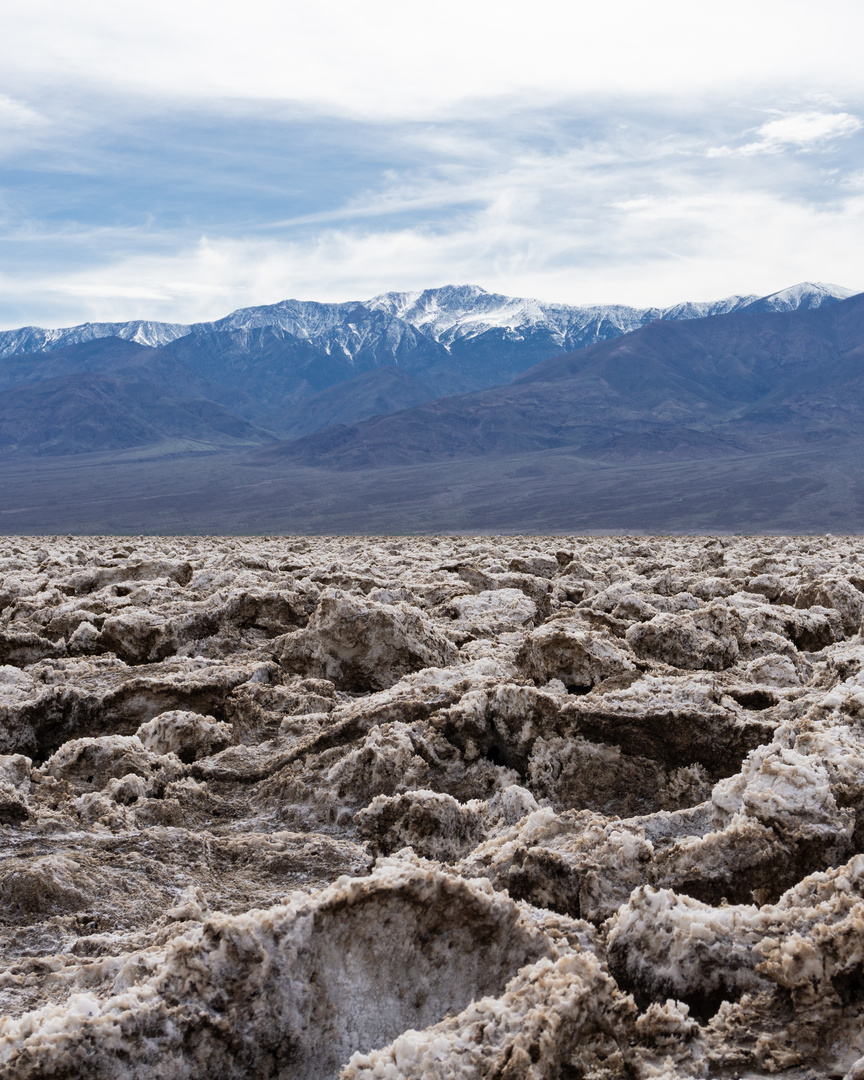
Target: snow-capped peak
x=443 y=316
x=804 y=296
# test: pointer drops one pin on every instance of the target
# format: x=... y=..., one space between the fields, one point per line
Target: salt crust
x=421 y=808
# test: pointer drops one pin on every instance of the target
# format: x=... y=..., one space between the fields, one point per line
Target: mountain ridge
x=460 y=315
x=287 y=371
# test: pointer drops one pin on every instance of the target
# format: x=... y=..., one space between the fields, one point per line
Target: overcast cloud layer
x=177 y=161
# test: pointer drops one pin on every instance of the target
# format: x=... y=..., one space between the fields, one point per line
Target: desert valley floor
x=431 y=807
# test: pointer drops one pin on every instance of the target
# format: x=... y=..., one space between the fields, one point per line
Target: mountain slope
x=804 y=297
x=107 y=355
x=91 y=412
x=382 y=391
x=31 y=339
x=740 y=381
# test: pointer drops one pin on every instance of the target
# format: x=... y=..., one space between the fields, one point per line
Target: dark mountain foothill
x=74 y=414
x=107 y=355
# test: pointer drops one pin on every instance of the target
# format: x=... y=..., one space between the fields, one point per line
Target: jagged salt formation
x=431 y=807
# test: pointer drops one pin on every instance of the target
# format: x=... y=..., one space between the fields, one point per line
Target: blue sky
x=176 y=161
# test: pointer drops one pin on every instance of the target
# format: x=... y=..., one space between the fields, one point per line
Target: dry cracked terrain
x=431 y=808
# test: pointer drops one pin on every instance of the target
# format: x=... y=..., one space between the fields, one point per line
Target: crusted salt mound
x=306 y=983
x=364 y=645
x=90 y=763
x=553 y=1012
x=574 y=654
x=186 y=734
x=431 y=807
x=14 y=785
x=707 y=638
x=492 y=612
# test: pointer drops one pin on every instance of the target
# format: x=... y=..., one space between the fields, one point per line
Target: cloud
x=185 y=217
x=15 y=114
x=802 y=130
x=799 y=129
x=386 y=58
x=661 y=248
x=173 y=161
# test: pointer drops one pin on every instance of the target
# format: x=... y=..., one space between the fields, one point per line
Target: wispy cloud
x=16 y=114
x=176 y=160
x=529 y=237
x=184 y=216
x=806 y=128
x=799 y=131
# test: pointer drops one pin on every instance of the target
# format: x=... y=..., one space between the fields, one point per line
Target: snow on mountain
x=394 y=322
x=464 y=310
x=456 y=312
x=30 y=339
x=690 y=310
x=805 y=296
x=303 y=318
x=453 y=313
x=346 y=329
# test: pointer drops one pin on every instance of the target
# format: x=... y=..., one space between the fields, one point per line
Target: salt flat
x=431 y=807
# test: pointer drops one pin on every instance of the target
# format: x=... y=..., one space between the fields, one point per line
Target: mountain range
x=290 y=369
x=451 y=409
x=444 y=315
x=721 y=385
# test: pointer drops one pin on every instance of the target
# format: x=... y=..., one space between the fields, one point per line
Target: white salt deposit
x=415 y=808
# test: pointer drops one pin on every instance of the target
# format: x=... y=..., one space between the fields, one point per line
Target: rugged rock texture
x=428 y=808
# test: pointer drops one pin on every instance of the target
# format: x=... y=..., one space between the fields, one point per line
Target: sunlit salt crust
x=431 y=807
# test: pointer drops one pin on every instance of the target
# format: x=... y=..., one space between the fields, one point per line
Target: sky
x=176 y=161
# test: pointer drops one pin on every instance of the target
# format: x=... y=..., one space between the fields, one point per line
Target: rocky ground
x=431 y=808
